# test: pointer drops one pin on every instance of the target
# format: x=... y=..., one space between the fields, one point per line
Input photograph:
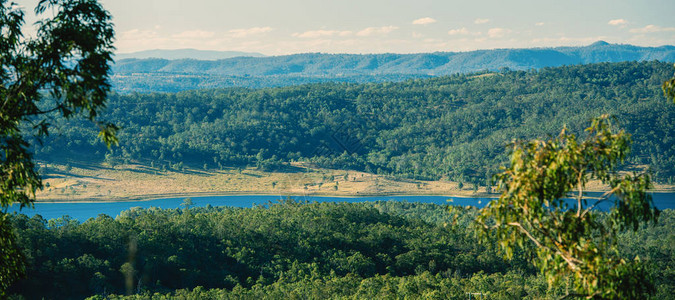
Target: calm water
x=84 y=211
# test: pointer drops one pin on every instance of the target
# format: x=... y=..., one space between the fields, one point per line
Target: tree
x=187 y=203
x=669 y=89
x=63 y=71
x=569 y=237
x=11 y=260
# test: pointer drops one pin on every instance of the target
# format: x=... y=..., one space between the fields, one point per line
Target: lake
x=85 y=210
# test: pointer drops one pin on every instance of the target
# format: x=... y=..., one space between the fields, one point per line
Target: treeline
x=293 y=250
x=176 y=82
x=163 y=250
x=452 y=127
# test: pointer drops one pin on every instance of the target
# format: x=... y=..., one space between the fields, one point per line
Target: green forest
x=454 y=127
x=295 y=250
x=176 y=82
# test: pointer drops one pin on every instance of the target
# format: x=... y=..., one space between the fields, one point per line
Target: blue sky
x=276 y=27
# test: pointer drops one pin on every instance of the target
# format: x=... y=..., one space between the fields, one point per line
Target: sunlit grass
x=133 y=181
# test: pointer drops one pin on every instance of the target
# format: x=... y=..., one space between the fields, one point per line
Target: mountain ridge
x=187 y=53
x=434 y=64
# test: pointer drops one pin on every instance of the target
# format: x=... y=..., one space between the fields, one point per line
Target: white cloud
x=137 y=34
x=652 y=28
x=539 y=24
x=424 y=21
x=194 y=34
x=566 y=41
x=498 y=32
x=144 y=39
x=461 y=31
x=322 y=33
x=618 y=22
x=244 y=32
x=481 y=21
x=433 y=40
x=370 y=31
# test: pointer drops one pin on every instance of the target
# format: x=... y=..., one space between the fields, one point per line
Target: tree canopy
x=376 y=250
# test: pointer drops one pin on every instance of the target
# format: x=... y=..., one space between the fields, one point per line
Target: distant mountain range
x=439 y=63
x=185 y=54
x=172 y=75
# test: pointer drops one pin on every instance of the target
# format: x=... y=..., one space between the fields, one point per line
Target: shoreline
x=239 y=193
x=256 y=193
x=135 y=183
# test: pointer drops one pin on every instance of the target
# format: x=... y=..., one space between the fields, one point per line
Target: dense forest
x=172 y=82
x=453 y=127
x=294 y=250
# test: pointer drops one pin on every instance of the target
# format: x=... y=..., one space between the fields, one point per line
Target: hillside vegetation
x=453 y=127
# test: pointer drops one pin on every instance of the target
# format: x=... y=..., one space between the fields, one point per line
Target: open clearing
x=75 y=182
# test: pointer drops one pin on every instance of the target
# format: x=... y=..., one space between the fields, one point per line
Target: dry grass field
x=133 y=182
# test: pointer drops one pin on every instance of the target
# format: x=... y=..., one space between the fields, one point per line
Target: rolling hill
x=442 y=127
x=185 y=54
x=440 y=63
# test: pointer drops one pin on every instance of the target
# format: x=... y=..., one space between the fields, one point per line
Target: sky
x=279 y=27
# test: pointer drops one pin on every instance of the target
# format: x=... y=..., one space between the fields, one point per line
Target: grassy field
x=75 y=182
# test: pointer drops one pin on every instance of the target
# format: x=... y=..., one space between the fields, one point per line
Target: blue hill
x=167 y=75
x=440 y=63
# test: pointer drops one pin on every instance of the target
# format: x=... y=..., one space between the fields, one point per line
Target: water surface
x=83 y=211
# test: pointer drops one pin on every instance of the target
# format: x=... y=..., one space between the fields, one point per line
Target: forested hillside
x=172 y=83
x=163 y=75
x=293 y=250
x=453 y=127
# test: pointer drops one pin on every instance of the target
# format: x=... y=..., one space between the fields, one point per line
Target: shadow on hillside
x=56 y=173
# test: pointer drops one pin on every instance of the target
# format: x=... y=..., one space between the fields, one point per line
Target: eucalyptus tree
x=543 y=209
x=61 y=72
x=669 y=89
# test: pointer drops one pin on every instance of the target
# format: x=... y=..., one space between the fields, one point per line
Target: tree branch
x=580 y=194
x=603 y=198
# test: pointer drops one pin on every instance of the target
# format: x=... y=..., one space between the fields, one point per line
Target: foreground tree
x=69 y=59
x=543 y=209
x=669 y=89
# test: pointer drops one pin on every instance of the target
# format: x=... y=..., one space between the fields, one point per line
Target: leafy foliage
x=669 y=89
x=11 y=259
x=69 y=59
x=571 y=239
